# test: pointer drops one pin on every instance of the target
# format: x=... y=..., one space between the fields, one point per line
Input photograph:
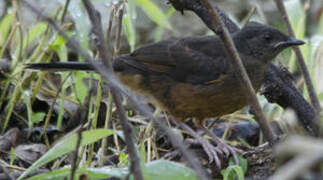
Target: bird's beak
x=289 y=42
x=294 y=42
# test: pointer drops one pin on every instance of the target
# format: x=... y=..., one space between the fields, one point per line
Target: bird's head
x=263 y=42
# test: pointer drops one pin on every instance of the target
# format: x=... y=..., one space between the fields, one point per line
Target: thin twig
x=224 y=34
x=76 y=152
x=109 y=102
x=118 y=19
x=135 y=167
x=67 y=3
x=6 y=172
x=118 y=31
x=310 y=88
x=109 y=28
x=51 y=109
x=248 y=17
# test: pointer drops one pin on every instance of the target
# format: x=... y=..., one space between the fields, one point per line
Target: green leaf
x=5 y=26
x=59 y=47
x=242 y=162
x=81 y=89
x=81 y=21
x=67 y=144
x=157 y=170
x=233 y=171
x=37 y=117
x=297 y=17
x=320 y=29
x=162 y=169
x=35 y=33
x=123 y=159
x=65 y=172
x=12 y=155
x=320 y=96
x=55 y=174
x=143 y=160
x=143 y=153
x=92 y=173
x=154 y=12
x=129 y=30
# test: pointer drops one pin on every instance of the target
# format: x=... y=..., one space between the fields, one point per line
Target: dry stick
x=118 y=31
x=301 y=63
x=95 y=18
x=248 y=17
x=109 y=100
x=109 y=28
x=224 y=34
x=76 y=152
x=107 y=73
x=119 y=15
x=6 y=172
x=51 y=109
x=135 y=167
x=67 y=3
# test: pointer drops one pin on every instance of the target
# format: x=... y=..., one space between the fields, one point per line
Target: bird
x=195 y=77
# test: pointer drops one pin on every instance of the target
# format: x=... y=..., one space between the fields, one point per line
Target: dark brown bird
x=194 y=77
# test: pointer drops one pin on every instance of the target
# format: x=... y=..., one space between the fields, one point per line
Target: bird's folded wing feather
x=196 y=60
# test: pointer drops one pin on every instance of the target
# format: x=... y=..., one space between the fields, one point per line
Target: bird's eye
x=267 y=37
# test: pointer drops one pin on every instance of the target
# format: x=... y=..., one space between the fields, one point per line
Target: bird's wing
x=155 y=56
x=196 y=60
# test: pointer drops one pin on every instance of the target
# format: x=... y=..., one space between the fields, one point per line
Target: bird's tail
x=61 y=66
x=124 y=64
